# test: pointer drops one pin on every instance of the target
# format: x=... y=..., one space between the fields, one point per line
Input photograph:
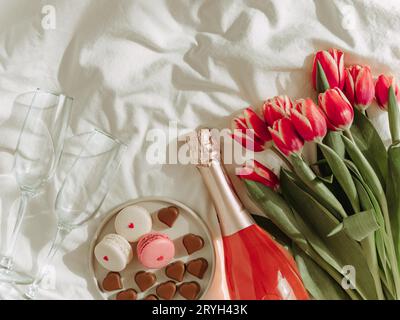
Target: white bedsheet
x=136 y=65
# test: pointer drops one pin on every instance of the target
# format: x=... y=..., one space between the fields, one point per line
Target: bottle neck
x=232 y=215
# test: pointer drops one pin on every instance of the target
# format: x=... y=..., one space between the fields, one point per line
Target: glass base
x=31 y=292
x=15 y=277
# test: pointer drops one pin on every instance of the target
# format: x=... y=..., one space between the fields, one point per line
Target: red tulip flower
x=255 y=171
x=308 y=120
x=332 y=63
x=250 y=131
x=276 y=108
x=382 y=86
x=285 y=137
x=337 y=109
x=359 y=86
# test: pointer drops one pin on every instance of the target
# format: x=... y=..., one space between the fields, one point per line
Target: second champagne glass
x=83 y=191
x=37 y=154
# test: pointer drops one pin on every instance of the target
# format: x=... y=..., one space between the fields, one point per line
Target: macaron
x=133 y=222
x=113 y=252
x=155 y=250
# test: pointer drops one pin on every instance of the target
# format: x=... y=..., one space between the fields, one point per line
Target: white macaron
x=113 y=252
x=133 y=222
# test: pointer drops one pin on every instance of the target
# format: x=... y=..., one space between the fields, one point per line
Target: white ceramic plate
x=188 y=222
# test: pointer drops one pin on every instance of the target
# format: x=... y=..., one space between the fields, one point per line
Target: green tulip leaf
x=317 y=281
x=369 y=202
x=359 y=226
x=327 y=179
x=322 y=83
x=276 y=209
x=370 y=144
x=336 y=230
x=322 y=192
x=342 y=174
x=372 y=181
x=272 y=230
x=297 y=230
x=334 y=140
x=367 y=172
x=394 y=116
x=393 y=193
x=319 y=162
x=343 y=249
x=353 y=169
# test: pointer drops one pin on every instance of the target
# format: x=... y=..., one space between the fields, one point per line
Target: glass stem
x=61 y=233
x=7 y=259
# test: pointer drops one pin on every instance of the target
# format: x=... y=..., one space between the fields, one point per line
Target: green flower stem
x=369 y=247
x=277 y=210
x=282 y=157
x=391 y=250
x=394 y=116
x=332 y=272
x=347 y=133
x=342 y=174
x=304 y=172
x=393 y=192
x=387 y=285
x=373 y=182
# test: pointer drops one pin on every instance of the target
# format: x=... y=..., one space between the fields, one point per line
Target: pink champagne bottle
x=256 y=266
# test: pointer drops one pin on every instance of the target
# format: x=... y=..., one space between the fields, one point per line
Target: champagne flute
x=82 y=191
x=38 y=151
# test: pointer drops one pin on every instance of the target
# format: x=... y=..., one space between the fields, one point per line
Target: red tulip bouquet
x=338 y=216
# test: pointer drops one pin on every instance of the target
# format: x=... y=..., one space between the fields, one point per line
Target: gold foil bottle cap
x=204 y=147
x=205 y=154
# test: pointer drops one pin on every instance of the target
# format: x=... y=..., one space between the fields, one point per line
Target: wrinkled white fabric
x=136 y=65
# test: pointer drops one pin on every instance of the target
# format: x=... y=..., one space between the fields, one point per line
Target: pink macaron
x=155 y=250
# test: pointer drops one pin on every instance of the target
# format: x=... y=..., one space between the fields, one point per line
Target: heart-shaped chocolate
x=166 y=290
x=145 y=280
x=189 y=290
x=112 y=281
x=151 y=297
x=192 y=243
x=128 y=294
x=168 y=215
x=175 y=270
x=197 y=267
